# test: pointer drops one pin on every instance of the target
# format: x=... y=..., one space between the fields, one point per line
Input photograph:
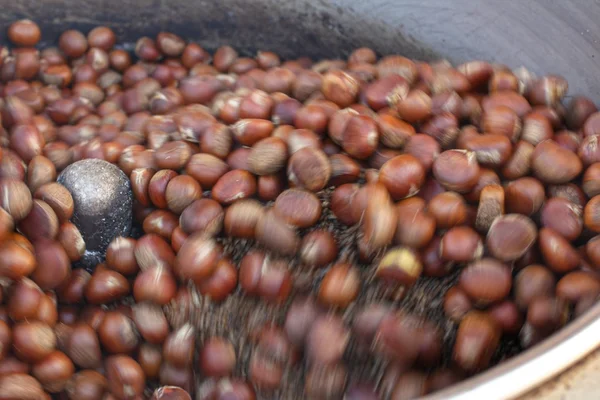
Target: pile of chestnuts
x=369 y=228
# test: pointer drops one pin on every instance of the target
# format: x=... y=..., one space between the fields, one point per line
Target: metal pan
x=547 y=36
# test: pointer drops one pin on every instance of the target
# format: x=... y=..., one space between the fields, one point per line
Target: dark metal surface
x=103 y=203
x=548 y=36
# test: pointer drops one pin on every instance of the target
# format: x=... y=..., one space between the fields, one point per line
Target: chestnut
x=156 y=284
x=20 y=386
x=249 y=131
x=398 y=338
x=402 y=176
x=536 y=128
x=411 y=384
x=591 y=214
x=266 y=277
x=442 y=127
x=24 y=33
x=268 y=156
x=83 y=346
x=592 y=250
x=340 y=285
x=446 y=169
x=179 y=346
x=196 y=258
x=274 y=233
x=507 y=316
x=150 y=358
x=524 y=196
x=33 y=341
x=397 y=65
x=117 y=333
x=476 y=341
x=106 y=286
x=16 y=198
x=172 y=155
x=399 y=267
x=309 y=168
x=548 y=90
x=202 y=215
x=234 y=185
x=170 y=392
x=461 y=244
x=57 y=197
x=24 y=300
x=151 y=322
x=326 y=340
x=152 y=250
x=486 y=281
x=241 y=218
x=5 y=340
x=378 y=220
x=40 y=223
x=87 y=384
x=547 y=314
x=395 y=133
x=101 y=37
x=449 y=209
x=289 y=203
x=54 y=265
x=456 y=303
x=533 y=281
x=120 y=255
x=221 y=283
x=491 y=206
x=590 y=180
x=124 y=375
x=72 y=241
x=54 y=371
x=318 y=248
x=416 y=226
x=577 y=285
x=340 y=87
x=553 y=164
x=311 y=117
x=507 y=98
x=360 y=136
x=510 y=236
x=502 y=120
x=563 y=217
x=558 y=253
x=217 y=357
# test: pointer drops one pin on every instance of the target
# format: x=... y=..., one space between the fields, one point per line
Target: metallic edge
x=533 y=367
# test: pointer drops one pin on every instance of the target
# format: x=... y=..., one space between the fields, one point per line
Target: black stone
x=103 y=205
